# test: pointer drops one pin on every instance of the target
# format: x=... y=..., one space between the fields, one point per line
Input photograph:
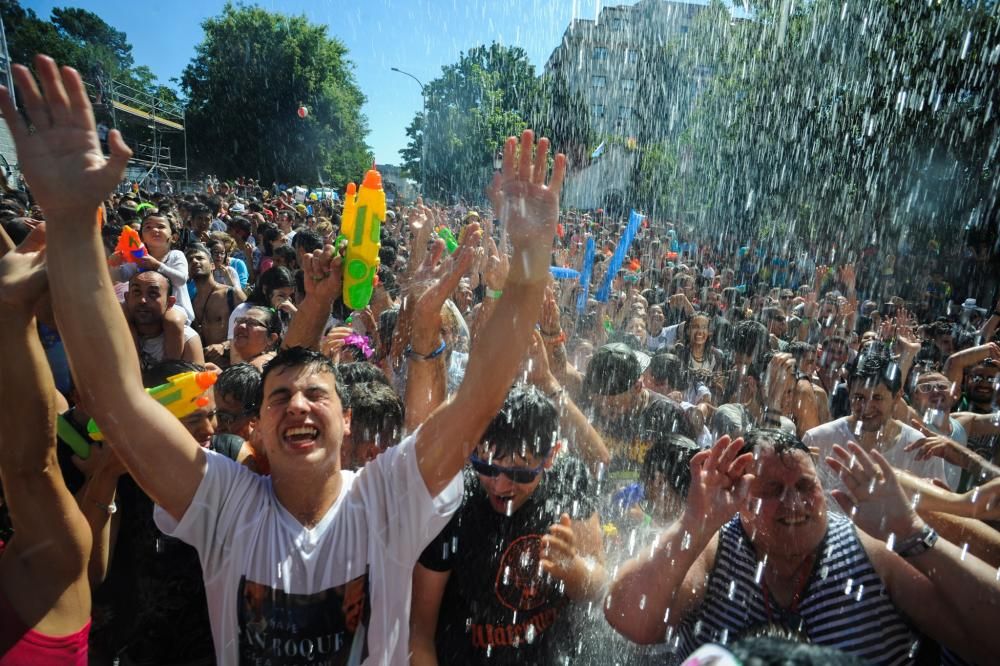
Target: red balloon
x=303 y=112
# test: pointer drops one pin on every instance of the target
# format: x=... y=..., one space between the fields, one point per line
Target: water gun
x=363 y=231
x=181 y=395
x=350 y=211
x=129 y=247
x=450 y=242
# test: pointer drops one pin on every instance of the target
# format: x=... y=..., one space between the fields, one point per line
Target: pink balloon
x=303 y=112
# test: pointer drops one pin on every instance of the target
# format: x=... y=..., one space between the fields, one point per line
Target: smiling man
x=313 y=562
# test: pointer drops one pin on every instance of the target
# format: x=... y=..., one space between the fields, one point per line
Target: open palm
x=61 y=157
x=22 y=271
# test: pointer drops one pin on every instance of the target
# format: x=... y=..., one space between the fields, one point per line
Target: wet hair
x=375 y=408
x=241 y=381
x=667 y=367
x=876 y=366
x=388 y=280
x=775 y=646
x=670 y=455
x=525 y=425
x=362 y=372
x=781 y=441
x=387 y=326
x=157 y=374
x=277 y=277
x=800 y=349
x=307 y=240
x=750 y=338
x=301 y=357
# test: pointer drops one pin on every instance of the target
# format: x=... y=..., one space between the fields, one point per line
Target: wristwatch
x=917 y=544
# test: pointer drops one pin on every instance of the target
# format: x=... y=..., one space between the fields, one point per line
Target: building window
x=598 y=111
x=628 y=85
x=618 y=23
x=600 y=53
x=624 y=113
x=632 y=56
x=598 y=81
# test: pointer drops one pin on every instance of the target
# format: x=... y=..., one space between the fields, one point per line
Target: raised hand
x=497 y=266
x=61 y=159
x=529 y=209
x=719 y=485
x=934 y=445
x=559 y=554
x=872 y=496
x=23 y=279
x=323 y=273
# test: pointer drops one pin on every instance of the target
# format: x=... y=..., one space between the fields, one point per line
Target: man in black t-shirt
x=494 y=587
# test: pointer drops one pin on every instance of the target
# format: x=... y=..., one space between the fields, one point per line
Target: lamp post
x=423 y=132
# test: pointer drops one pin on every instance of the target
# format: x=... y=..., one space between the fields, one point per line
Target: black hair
x=17 y=230
x=295 y=357
x=670 y=455
x=781 y=441
x=375 y=408
x=750 y=338
x=876 y=366
x=157 y=374
x=388 y=279
x=307 y=240
x=387 y=255
x=197 y=247
x=387 y=326
x=277 y=277
x=667 y=367
x=362 y=372
x=268 y=233
x=242 y=381
x=525 y=425
x=800 y=349
x=170 y=285
x=241 y=223
x=286 y=254
x=273 y=321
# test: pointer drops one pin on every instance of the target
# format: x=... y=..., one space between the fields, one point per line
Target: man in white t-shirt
x=874 y=385
x=313 y=563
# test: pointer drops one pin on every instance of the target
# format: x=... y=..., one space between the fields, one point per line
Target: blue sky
x=419 y=36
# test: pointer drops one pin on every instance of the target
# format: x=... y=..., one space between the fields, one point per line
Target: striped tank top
x=844 y=604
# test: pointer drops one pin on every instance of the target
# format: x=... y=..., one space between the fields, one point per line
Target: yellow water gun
x=182 y=395
x=363 y=241
x=349 y=213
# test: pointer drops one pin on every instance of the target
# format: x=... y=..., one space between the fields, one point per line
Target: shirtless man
x=213 y=302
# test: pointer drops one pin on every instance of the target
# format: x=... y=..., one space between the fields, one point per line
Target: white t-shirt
x=665 y=340
x=152 y=348
x=825 y=436
x=279 y=593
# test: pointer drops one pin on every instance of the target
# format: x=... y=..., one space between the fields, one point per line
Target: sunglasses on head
x=515 y=474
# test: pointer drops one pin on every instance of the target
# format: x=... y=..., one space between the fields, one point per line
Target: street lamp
x=423 y=132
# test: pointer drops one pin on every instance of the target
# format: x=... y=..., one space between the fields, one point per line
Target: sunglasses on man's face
x=515 y=474
x=935 y=386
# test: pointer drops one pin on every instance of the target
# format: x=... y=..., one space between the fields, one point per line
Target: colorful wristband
x=420 y=357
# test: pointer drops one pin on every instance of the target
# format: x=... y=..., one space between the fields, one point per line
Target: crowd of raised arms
x=733 y=458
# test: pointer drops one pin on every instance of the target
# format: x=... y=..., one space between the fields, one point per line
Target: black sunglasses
x=515 y=474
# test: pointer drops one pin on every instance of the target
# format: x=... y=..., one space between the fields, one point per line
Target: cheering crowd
x=734 y=456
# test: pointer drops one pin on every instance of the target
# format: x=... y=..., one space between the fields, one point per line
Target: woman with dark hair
x=275 y=289
x=271 y=237
x=704 y=364
x=257 y=337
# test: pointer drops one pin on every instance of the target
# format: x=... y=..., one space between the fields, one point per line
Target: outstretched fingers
x=55 y=92
x=81 y=113
x=558 y=173
x=524 y=167
x=541 y=162
x=31 y=98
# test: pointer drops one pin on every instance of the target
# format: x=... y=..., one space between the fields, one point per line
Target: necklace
x=789 y=617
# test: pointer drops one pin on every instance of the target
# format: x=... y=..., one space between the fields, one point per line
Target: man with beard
x=146 y=301
x=873 y=388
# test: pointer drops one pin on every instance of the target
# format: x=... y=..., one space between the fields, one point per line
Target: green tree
x=244 y=85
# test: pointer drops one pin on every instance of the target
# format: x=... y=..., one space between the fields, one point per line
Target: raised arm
x=69 y=177
x=44 y=570
x=955 y=365
x=530 y=211
x=671 y=573
x=955 y=596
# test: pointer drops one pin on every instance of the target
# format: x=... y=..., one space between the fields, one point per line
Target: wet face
x=619 y=405
x=979 y=383
x=302 y=421
x=807 y=364
x=363 y=447
x=786 y=509
x=505 y=494
x=202 y=423
x=697 y=331
x=146 y=299
x=656 y=318
x=945 y=344
x=934 y=391
x=250 y=335
x=871 y=404
x=664 y=503
x=835 y=355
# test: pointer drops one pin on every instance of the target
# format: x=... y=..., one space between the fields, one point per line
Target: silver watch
x=917 y=544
